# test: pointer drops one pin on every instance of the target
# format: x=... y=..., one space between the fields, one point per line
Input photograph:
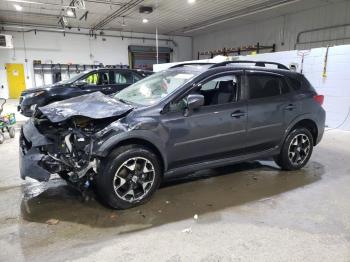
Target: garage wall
x=335 y=86
x=57 y=48
x=283 y=29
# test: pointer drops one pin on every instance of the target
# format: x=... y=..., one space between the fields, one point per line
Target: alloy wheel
x=133 y=179
x=299 y=149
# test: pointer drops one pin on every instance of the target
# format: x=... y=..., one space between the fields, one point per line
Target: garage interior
x=251 y=211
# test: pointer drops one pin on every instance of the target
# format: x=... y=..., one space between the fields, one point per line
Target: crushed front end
x=60 y=141
x=47 y=148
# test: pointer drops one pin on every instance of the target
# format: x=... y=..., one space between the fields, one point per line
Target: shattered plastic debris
x=167 y=202
x=187 y=230
x=52 y=221
x=195 y=217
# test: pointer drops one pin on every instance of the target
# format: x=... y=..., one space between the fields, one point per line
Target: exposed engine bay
x=65 y=146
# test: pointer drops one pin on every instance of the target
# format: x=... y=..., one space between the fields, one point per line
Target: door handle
x=290 y=107
x=238 y=114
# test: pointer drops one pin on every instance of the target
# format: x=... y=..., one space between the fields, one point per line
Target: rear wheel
x=129 y=177
x=296 y=150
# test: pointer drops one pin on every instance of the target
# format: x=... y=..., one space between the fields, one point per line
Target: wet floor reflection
x=177 y=199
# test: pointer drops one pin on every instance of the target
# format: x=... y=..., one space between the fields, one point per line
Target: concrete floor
x=247 y=212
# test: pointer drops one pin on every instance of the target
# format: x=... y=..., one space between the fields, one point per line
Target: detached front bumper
x=30 y=156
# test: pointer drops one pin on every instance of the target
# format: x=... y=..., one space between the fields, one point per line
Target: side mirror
x=80 y=83
x=194 y=101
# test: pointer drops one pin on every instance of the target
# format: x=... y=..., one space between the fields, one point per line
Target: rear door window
x=265 y=85
x=123 y=78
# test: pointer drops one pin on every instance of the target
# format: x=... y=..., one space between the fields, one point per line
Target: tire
x=296 y=150
x=2 y=138
x=12 y=132
x=129 y=176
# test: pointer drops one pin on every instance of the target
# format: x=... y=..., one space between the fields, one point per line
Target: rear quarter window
x=295 y=84
x=305 y=84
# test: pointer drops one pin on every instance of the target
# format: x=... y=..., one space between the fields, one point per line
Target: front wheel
x=129 y=176
x=296 y=150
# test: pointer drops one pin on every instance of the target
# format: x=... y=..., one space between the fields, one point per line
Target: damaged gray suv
x=186 y=118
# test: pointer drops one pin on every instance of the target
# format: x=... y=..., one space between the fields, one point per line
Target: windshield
x=72 y=79
x=154 y=88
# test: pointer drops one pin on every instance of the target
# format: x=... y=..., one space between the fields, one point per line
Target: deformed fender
x=32 y=134
x=28 y=165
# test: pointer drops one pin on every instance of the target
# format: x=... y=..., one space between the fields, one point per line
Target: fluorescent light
x=191 y=2
x=70 y=13
x=145 y=20
x=18 y=7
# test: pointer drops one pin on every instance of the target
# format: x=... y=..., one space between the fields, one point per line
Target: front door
x=97 y=81
x=214 y=131
x=15 y=79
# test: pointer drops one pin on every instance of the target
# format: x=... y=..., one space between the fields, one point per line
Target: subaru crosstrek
x=186 y=118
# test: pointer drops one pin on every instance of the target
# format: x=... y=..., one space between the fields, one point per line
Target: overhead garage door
x=144 y=57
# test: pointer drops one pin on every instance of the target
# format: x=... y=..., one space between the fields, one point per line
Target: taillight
x=319 y=99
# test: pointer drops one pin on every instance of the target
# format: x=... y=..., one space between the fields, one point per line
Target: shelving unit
x=238 y=50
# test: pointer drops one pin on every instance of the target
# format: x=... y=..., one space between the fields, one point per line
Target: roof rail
x=256 y=63
x=189 y=63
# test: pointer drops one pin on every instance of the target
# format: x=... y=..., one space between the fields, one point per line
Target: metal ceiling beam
x=62 y=31
x=31 y=14
x=118 y=13
x=38 y=3
x=104 y=2
x=268 y=5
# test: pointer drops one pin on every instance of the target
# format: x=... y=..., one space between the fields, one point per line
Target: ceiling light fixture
x=18 y=7
x=123 y=22
x=145 y=20
x=191 y=2
x=70 y=12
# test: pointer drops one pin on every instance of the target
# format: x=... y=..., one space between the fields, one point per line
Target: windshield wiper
x=123 y=101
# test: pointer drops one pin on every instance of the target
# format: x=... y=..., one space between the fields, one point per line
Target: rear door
x=270 y=107
x=122 y=79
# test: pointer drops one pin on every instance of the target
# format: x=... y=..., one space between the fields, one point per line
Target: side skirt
x=221 y=162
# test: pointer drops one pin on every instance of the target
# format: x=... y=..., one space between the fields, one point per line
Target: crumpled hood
x=95 y=105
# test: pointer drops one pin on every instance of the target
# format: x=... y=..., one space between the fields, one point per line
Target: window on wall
x=264 y=85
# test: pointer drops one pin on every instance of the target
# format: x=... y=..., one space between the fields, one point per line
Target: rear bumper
x=321 y=124
x=30 y=156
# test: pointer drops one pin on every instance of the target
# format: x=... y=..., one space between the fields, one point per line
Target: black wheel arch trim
x=300 y=118
x=116 y=140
